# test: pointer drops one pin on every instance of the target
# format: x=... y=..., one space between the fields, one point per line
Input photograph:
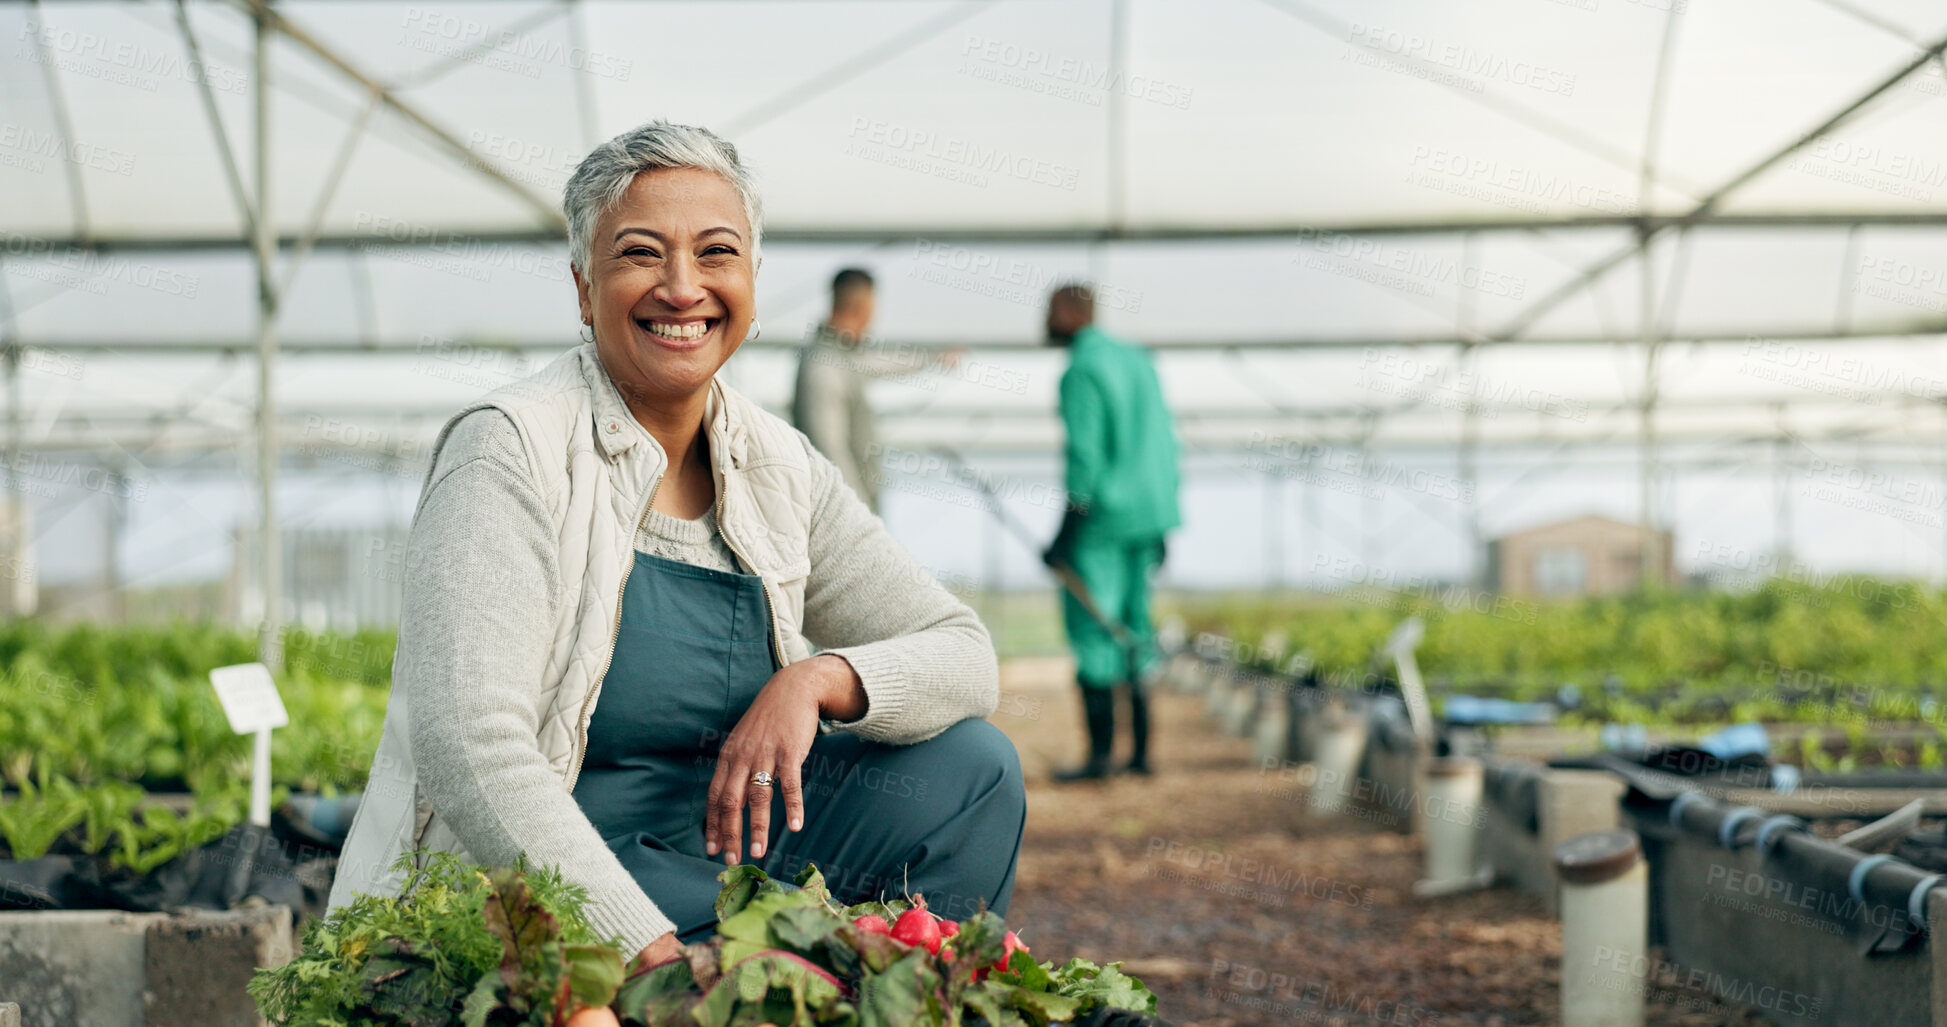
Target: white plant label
x=249 y=698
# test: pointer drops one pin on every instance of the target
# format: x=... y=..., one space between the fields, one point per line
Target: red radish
x=1009 y=945
x=872 y=923
x=918 y=928
x=949 y=928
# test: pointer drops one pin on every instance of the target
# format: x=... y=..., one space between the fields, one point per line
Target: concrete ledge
x=9 y=1015
x=1574 y=802
x=1240 y=708
x=198 y=966
x=1271 y=734
x=1755 y=928
x=71 y=967
x=1396 y=787
x=105 y=968
x=1565 y=803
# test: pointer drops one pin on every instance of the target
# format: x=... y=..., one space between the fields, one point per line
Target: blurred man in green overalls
x=1121 y=479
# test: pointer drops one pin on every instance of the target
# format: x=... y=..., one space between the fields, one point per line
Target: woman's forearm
x=921 y=683
x=842 y=695
x=479 y=604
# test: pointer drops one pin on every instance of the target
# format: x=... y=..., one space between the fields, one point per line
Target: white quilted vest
x=596 y=468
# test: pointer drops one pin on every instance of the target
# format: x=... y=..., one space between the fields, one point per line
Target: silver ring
x=762 y=777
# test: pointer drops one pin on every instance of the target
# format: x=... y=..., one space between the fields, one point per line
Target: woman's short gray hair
x=607 y=172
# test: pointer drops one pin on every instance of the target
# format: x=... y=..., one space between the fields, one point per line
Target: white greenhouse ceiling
x=1324 y=179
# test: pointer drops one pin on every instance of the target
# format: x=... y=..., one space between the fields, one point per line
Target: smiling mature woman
x=622 y=573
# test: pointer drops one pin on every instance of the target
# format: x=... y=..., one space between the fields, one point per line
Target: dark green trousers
x=941 y=818
x=1117 y=576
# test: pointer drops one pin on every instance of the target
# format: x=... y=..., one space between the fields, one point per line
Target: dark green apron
x=942 y=817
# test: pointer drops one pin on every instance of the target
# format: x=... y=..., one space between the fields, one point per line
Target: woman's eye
x=639 y=251
x=714 y=250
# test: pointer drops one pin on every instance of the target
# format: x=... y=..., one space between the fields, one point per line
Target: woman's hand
x=593 y=1016
x=775 y=736
x=661 y=951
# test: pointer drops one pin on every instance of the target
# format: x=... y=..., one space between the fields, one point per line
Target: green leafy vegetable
x=1106 y=985
x=794 y=957
x=504 y=947
x=37 y=816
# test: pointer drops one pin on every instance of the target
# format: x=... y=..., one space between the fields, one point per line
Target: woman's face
x=670 y=286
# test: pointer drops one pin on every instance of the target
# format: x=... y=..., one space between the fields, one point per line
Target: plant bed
x=133 y=705
x=468 y=945
x=111 y=847
x=245 y=865
x=1783 y=651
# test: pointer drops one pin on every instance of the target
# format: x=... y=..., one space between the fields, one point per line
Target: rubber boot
x=1098 y=707
x=1138 y=730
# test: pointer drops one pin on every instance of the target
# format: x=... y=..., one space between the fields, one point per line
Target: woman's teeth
x=691 y=330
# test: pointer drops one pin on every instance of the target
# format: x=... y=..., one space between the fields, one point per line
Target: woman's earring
x=588 y=332
x=756 y=329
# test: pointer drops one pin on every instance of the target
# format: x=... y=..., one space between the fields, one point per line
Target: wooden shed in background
x=1584 y=556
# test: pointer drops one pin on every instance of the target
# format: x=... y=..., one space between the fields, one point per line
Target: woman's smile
x=681 y=334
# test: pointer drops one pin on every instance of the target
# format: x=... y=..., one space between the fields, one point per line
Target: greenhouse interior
x=1241 y=512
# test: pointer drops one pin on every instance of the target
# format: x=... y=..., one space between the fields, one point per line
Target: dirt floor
x=1213 y=884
